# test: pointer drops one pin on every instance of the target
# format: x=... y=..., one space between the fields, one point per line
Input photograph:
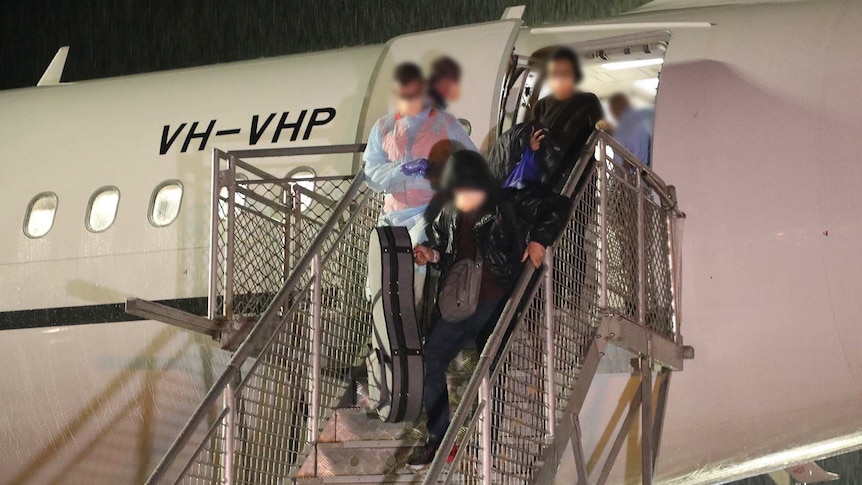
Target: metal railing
x=616 y=257
x=262 y=225
x=301 y=255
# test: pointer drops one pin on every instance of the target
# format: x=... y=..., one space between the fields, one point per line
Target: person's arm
x=547 y=214
x=380 y=172
x=595 y=112
x=438 y=233
x=431 y=251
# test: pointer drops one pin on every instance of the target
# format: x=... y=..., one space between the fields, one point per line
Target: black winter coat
x=516 y=218
x=510 y=146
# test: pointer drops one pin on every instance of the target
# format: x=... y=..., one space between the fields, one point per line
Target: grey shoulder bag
x=459 y=295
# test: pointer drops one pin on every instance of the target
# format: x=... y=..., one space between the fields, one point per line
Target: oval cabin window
x=39 y=217
x=102 y=209
x=165 y=203
x=306 y=187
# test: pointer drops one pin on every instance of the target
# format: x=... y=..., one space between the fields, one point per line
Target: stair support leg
x=647 y=457
x=553 y=453
x=620 y=439
x=663 y=379
x=578 y=450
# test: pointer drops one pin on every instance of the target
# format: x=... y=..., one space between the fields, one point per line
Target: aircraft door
x=484 y=52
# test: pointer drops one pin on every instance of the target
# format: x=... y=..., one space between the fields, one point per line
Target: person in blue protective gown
x=405 y=150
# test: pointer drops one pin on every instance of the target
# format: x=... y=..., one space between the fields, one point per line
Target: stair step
x=356 y=424
x=457 y=376
x=376 y=479
x=406 y=443
x=358 y=461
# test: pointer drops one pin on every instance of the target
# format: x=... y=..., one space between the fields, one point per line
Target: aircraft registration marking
x=258 y=127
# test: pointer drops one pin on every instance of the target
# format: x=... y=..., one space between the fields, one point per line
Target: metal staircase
x=288 y=281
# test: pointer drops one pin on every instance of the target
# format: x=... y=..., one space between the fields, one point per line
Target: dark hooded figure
x=501 y=228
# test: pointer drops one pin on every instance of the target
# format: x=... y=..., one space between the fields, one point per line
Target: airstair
x=287 y=297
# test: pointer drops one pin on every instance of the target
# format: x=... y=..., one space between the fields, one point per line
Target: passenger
x=569 y=115
x=404 y=145
x=634 y=126
x=445 y=82
x=479 y=222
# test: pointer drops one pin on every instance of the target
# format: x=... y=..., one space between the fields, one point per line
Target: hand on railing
x=535 y=252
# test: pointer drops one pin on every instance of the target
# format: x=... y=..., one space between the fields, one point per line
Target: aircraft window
x=165 y=203
x=239 y=198
x=303 y=173
x=102 y=209
x=39 y=217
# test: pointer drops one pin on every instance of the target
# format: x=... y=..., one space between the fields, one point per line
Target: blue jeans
x=444 y=343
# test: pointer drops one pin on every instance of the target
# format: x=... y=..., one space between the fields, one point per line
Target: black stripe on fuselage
x=89 y=314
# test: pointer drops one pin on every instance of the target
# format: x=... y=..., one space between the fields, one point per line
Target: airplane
x=106 y=195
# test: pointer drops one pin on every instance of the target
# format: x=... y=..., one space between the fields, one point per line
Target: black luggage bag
x=396 y=370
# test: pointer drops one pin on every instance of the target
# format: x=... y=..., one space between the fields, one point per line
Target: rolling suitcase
x=396 y=371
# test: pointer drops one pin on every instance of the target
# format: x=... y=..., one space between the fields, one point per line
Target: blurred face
x=469 y=200
x=410 y=98
x=561 y=78
x=450 y=89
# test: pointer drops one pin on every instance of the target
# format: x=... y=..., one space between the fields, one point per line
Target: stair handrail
x=527 y=284
x=261 y=332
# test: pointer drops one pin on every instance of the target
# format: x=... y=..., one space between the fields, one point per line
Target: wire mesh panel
x=576 y=277
x=262 y=228
x=658 y=285
x=208 y=466
x=622 y=252
x=295 y=378
x=292 y=252
x=519 y=411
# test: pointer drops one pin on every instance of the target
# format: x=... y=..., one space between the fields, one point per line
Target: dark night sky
x=117 y=37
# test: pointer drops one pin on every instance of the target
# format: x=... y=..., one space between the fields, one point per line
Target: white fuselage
x=757 y=125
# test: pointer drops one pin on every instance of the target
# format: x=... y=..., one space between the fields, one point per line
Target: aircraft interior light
x=618 y=66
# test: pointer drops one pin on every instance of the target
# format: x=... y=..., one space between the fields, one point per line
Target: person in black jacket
x=506 y=227
x=569 y=115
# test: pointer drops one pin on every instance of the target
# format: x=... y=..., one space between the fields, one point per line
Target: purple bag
x=527 y=170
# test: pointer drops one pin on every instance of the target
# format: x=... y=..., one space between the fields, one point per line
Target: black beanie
x=467 y=169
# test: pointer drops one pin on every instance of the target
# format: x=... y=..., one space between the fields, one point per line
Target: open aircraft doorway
x=629 y=64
